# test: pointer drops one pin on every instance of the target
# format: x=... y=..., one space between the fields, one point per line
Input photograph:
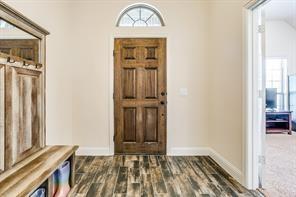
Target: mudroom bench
x=36 y=171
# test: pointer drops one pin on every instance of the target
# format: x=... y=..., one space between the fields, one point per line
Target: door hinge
x=113 y=96
x=261 y=29
x=113 y=138
x=261 y=159
x=113 y=53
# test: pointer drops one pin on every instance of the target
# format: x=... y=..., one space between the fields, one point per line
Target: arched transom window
x=140 y=15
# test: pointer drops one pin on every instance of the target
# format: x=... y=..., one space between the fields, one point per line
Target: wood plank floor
x=154 y=176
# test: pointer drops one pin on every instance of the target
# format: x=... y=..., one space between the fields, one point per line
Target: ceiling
x=281 y=10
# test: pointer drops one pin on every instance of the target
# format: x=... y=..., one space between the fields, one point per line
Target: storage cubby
x=53 y=181
x=44 y=186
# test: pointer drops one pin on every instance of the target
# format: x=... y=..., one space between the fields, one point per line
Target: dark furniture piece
x=278 y=122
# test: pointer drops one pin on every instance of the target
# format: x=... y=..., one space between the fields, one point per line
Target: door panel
x=23 y=121
x=129 y=83
x=129 y=127
x=151 y=83
x=2 y=116
x=151 y=124
x=151 y=53
x=140 y=96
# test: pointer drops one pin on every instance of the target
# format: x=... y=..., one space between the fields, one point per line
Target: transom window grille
x=277 y=77
x=140 y=16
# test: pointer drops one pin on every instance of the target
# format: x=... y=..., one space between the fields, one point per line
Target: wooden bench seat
x=26 y=176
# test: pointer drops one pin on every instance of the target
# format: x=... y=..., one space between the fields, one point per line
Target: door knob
x=162 y=102
x=163 y=93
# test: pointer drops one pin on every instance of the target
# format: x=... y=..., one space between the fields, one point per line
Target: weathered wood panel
x=23 y=114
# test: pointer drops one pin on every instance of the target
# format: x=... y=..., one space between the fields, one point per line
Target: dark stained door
x=140 y=96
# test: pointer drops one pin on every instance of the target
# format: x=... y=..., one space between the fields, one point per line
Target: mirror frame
x=20 y=21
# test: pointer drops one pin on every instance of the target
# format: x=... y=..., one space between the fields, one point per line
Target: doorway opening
x=270 y=97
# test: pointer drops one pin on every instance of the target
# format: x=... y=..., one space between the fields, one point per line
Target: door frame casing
x=250 y=149
x=111 y=82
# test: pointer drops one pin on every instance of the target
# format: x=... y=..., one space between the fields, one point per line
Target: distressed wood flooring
x=152 y=175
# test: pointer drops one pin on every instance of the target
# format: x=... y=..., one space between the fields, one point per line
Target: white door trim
x=250 y=150
x=111 y=80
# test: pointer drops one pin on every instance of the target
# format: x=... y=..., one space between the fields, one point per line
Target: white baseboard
x=188 y=151
x=93 y=151
x=226 y=165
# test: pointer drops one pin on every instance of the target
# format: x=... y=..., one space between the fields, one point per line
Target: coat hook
x=10 y=60
x=38 y=66
x=25 y=64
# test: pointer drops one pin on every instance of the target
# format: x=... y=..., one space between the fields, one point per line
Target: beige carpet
x=280 y=172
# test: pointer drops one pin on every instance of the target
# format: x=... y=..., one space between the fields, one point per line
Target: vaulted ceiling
x=282 y=10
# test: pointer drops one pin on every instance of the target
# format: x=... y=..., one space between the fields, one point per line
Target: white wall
x=79 y=66
x=281 y=42
x=226 y=78
x=187 y=67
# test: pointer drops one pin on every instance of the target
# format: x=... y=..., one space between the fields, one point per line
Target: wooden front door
x=140 y=96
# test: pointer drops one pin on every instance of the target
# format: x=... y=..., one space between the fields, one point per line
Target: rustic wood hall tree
x=26 y=163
